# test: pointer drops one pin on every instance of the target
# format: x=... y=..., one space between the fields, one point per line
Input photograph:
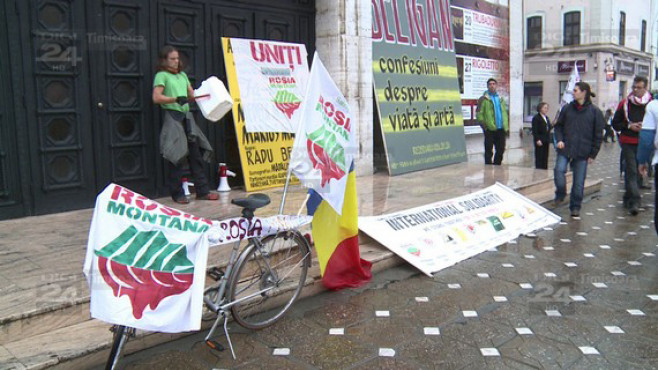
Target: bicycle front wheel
x=268 y=278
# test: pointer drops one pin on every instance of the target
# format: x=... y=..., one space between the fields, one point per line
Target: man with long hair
x=578 y=132
x=181 y=141
x=628 y=119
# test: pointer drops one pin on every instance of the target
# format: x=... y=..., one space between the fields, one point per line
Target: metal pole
x=285 y=189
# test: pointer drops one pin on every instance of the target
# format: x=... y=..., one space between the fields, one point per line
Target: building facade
x=609 y=41
x=76 y=82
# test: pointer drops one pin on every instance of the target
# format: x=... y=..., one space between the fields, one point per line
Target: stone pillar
x=344 y=42
x=516 y=71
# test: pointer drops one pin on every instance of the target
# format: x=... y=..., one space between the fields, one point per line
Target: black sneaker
x=575 y=212
x=634 y=211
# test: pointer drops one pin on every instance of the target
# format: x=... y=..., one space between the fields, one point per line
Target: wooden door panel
x=120 y=87
x=60 y=134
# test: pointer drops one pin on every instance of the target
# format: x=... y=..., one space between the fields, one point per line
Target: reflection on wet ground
x=581 y=294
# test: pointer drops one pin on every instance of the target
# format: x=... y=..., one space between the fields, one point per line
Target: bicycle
x=251 y=287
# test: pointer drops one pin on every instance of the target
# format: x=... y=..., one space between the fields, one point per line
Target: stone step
x=86 y=343
x=64 y=336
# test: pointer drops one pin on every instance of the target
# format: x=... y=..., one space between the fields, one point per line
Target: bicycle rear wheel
x=120 y=338
x=276 y=267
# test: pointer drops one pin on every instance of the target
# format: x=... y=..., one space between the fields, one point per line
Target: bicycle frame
x=222 y=309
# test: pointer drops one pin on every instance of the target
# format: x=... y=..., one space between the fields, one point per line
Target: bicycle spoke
x=273 y=266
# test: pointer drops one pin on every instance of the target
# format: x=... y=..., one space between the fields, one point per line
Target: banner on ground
x=146 y=262
x=439 y=235
x=325 y=142
x=416 y=85
x=267 y=80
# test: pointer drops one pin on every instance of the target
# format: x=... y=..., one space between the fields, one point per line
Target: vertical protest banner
x=266 y=80
x=416 y=87
x=481 y=33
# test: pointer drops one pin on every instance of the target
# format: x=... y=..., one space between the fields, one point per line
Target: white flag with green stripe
x=145 y=263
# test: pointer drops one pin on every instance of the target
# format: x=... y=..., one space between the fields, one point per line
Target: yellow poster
x=264 y=155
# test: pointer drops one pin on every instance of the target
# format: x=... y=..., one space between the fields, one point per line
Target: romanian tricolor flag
x=336 y=239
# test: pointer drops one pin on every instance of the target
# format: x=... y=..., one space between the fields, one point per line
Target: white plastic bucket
x=217 y=102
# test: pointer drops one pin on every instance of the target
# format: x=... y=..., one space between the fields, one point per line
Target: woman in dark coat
x=541 y=128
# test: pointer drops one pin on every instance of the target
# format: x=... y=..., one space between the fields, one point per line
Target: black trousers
x=494 y=139
x=632 y=179
x=196 y=167
x=609 y=134
x=541 y=156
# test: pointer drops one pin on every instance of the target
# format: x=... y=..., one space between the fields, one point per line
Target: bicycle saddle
x=253 y=201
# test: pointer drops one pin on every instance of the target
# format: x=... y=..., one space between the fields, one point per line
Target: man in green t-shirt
x=181 y=139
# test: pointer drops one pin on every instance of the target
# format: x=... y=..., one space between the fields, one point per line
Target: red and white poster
x=481 y=31
x=272 y=77
x=477 y=28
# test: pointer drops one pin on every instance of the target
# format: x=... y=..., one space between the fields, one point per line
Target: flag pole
x=308 y=195
x=285 y=189
x=300 y=129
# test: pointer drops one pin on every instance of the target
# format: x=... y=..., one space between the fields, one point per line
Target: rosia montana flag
x=322 y=160
x=324 y=143
x=145 y=263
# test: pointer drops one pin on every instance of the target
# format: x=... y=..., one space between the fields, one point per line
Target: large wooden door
x=11 y=199
x=58 y=115
x=121 y=73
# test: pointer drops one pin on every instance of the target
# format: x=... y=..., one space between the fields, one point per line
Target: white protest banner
x=239 y=228
x=272 y=76
x=325 y=142
x=440 y=234
x=146 y=262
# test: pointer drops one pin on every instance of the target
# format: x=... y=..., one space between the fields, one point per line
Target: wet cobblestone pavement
x=580 y=295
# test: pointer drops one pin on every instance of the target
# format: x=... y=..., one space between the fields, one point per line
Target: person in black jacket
x=578 y=132
x=541 y=128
